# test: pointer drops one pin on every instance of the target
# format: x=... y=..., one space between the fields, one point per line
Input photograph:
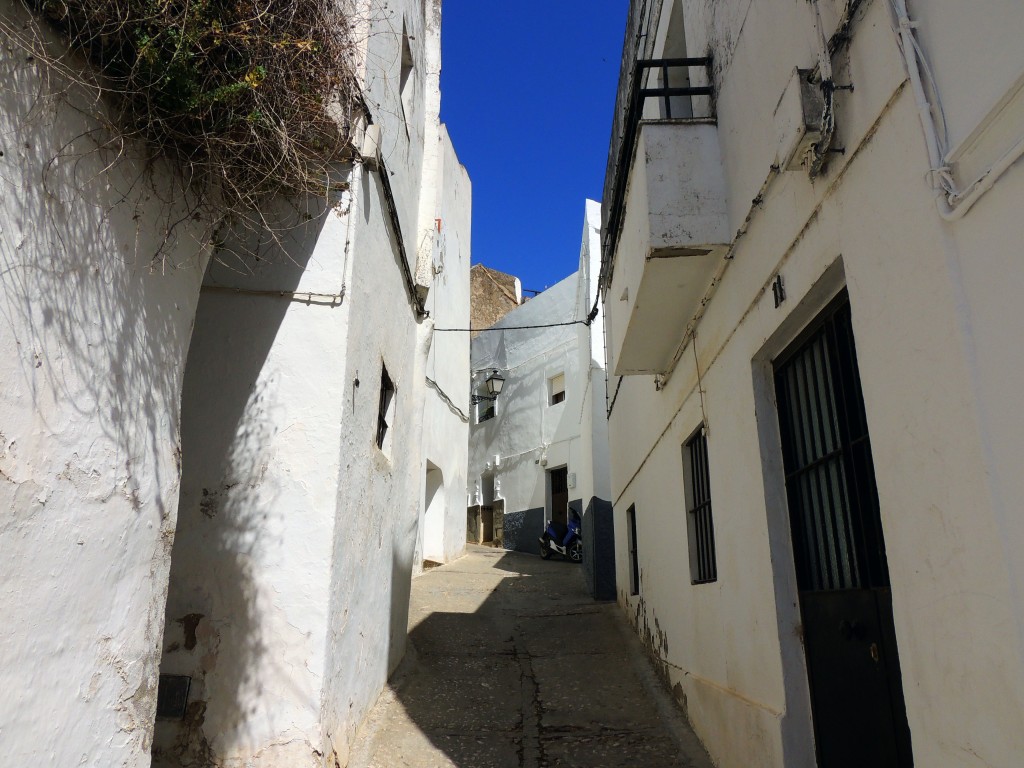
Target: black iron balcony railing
x=672 y=102
x=666 y=93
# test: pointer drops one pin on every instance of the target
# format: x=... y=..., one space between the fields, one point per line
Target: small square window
x=385 y=411
x=486 y=406
x=172 y=696
x=556 y=389
x=485 y=411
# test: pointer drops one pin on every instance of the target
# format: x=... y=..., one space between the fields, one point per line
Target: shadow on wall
x=101 y=325
x=94 y=334
x=523 y=529
x=401 y=589
x=219 y=600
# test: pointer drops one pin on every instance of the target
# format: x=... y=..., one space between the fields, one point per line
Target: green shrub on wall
x=248 y=98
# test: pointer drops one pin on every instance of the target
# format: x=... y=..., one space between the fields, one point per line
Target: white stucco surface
x=446 y=409
x=677 y=218
x=279 y=580
x=378 y=495
x=263 y=398
x=526 y=428
x=93 y=334
x=593 y=474
x=932 y=316
x=304 y=529
x=529 y=436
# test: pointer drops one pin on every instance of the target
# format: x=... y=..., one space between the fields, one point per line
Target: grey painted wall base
x=522 y=529
x=599 y=549
x=527 y=527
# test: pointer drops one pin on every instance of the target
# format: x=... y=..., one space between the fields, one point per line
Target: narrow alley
x=512 y=665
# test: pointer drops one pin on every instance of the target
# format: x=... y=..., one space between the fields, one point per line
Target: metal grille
x=638 y=44
x=703 y=566
x=830 y=482
x=624 y=145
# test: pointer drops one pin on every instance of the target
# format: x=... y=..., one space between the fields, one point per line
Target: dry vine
x=248 y=100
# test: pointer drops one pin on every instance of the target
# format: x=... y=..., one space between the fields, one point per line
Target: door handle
x=875 y=656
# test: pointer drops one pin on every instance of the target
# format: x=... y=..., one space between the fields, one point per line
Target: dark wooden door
x=839 y=551
x=559 y=495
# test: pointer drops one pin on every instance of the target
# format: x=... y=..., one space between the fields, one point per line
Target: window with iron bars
x=700 y=525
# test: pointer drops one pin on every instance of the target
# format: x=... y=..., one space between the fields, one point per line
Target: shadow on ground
x=513 y=665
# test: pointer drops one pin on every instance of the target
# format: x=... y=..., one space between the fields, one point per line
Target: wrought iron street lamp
x=493 y=384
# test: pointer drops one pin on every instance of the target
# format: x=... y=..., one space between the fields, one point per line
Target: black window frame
x=634 y=552
x=700 y=520
x=387 y=395
x=854 y=555
x=487 y=405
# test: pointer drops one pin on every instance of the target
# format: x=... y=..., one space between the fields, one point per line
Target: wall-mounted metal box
x=797 y=118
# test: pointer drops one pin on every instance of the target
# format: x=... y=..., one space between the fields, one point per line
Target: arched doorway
x=433 y=516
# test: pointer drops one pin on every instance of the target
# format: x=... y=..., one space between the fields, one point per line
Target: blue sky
x=527 y=92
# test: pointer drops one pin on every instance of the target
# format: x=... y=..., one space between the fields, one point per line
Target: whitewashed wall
x=93 y=336
x=593 y=477
x=528 y=435
x=247 y=610
x=294 y=538
x=934 y=314
x=442 y=534
x=380 y=493
x=290 y=581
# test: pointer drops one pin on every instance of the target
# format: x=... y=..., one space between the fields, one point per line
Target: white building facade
x=539 y=450
x=809 y=272
x=446 y=409
x=218 y=477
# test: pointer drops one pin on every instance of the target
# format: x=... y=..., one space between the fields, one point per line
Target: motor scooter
x=564 y=539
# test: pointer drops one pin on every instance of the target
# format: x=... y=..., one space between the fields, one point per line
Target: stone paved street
x=512 y=665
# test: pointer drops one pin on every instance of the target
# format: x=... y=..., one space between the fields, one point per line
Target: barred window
x=700 y=525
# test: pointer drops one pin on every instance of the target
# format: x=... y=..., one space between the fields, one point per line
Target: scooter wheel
x=576 y=551
x=545 y=548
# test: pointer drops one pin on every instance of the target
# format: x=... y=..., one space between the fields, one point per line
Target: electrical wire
x=953 y=202
x=615 y=396
x=447 y=400
x=700 y=382
x=588 y=322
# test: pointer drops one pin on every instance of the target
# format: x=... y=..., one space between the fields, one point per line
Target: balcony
x=667 y=226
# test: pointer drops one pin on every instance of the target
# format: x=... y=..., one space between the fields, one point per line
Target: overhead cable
x=588 y=322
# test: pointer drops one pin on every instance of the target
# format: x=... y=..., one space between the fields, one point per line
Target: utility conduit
x=952 y=203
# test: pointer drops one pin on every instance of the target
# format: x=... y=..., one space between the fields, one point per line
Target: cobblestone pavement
x=512 y=665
